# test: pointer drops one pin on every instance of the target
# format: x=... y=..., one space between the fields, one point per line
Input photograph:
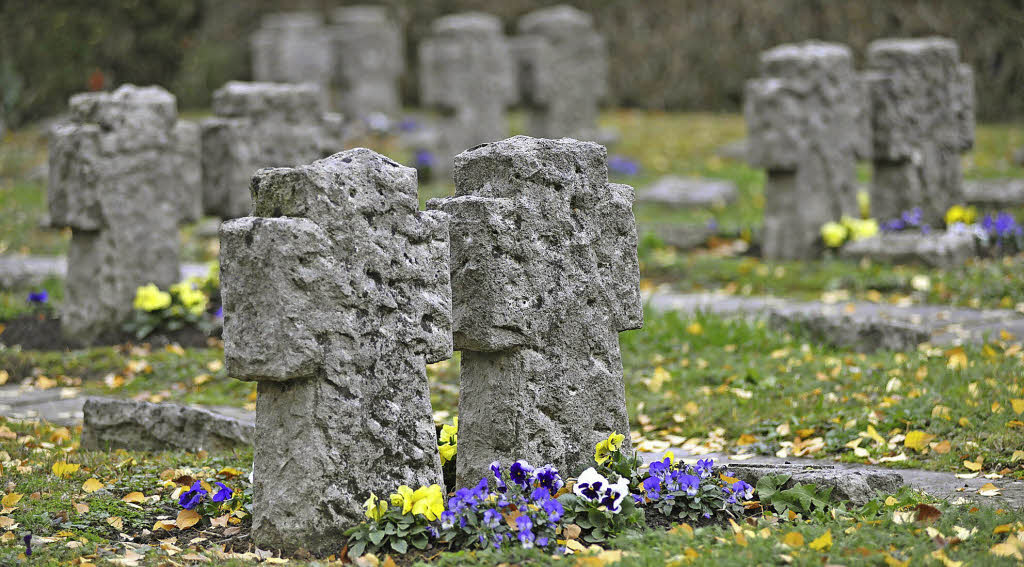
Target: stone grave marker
x=680 y=192
x=260 y=125
x=467 y=73
x=563 y=72
x=120 y=173
x=368 y=59
x=922 y=107
x=291 y=47
x=544 y=277
x=336 y=293
x=807 y=124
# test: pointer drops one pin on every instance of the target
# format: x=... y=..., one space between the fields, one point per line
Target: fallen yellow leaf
x=957 y=358
x=873 y=434
x=1002 y=529
x=695 y=328
x=917 y=440
x=116 y=522
x=1018 y=455
x=162 y=525
x=989 y=489
x=793 y=539
x=893 y=562
x=942 y=447
x=1012 y=547
x=1018 y=405
x=81 y=508
x=11 y=500
x=822 y=542
x=92 y=485
x=974 y=465
x=186 y=519
x=135 y=497
x=64 y=470
x=746 y=439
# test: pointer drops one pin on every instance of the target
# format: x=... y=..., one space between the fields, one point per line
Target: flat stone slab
x=680 y=236
x=943 y=485
x=110 y=423
x=62 y=406
x=855 y=486
x=17 y=270
x=994 y=193
x=866 y=335
x=943 y=325
x=680 y=192
x=940 y=249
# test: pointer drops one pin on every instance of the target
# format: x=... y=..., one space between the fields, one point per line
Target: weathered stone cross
x=336 y=292
x=922 y=120
x=807 y=118
x=544 y=276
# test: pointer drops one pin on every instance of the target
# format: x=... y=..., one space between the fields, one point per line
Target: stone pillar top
x=797 y=59
x=889 y=49
x=286 y=20
x=555 y=20
x=467 y=23
x=361 y=14
x=128 y=106
x=238 y=98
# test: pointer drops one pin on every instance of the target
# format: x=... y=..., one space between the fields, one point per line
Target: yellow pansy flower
x=193 y=299
x=960 y=213
x=375 y=508
x=604 y=449
x=447 y=452
x=449 y=433
x=834 y=234
x=428 y=501
x=403 y=498
x=150 y=298
x=864 y=203
x=860 y=229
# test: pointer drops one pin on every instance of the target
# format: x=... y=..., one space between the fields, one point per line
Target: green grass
x=723 y=384
x=70 y=525
x=981 y=283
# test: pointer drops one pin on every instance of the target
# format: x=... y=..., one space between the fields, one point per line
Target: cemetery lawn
x=119 y=508
x=708 y=383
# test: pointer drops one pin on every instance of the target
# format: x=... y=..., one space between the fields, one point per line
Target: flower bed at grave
x=996 y=234
x=527 y=507
x=192 y=302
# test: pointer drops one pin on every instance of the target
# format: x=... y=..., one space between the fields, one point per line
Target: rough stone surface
x=116 y=180
x=563 y=72
x=940 y=248
x=260 y=125
x=467 y=73
x=336 y=293
x=141 y=426
x=545 y=276
x=854 y=486
x=807 y=124
x=291 y=47
x=680 y=236
x=862 y=335
x=922 y=102
x=188 y=148
x=993 y=194
x=368 y=59
x=675 y=191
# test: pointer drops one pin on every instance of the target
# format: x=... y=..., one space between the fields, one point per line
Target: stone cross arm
x=335 y=256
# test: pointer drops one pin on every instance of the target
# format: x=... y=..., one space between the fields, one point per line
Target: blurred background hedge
x=666 y=54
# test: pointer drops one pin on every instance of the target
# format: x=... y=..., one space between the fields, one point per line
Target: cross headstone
x=368 y=59
x=119 y=177
x=466 y=71
x=336 y=293
x=563 y=71
x=260 y=125
x=807 y=123
x=291 y=47
x=922 y=101
x=544 y=277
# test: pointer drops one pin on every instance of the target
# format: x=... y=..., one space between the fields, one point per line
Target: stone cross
x=807 y=123
x=544 y=277
x=122 y=175
x=466 y=71
x=291 y=47
x=922 y=101
x=260 y=125
x=563 y=71
x=336 y=293
x=368 y=59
